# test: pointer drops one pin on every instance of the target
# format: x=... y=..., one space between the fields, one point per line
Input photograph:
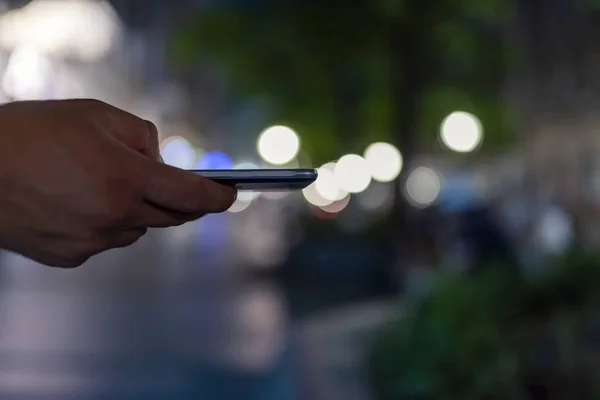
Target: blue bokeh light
x=214 y=160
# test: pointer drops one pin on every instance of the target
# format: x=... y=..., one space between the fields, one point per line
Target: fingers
x=152 y=149
x=135 y=133
x=183 y=191
x=127 y=238
x=152 y=216
x=74 y=253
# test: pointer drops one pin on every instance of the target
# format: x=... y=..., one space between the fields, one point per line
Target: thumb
x=184 y=191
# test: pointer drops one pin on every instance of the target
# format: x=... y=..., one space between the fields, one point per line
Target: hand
x=78 y=177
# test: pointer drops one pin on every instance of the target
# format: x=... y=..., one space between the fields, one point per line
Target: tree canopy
x=325 y=67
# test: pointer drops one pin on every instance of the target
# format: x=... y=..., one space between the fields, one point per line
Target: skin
x=79 y=177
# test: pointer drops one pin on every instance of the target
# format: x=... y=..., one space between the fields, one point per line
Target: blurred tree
x=497 y=335
x=344 y=74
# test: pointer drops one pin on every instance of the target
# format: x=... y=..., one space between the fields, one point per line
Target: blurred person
x=78 y=177
x=476 y=238
x=421 y=257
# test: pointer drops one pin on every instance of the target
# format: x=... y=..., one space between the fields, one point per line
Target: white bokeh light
x=242 y=202
x=385 y=161
x=461 y=132
x=327 y=185
x=312 y=195
x=337 y=206
x=238 y=206
x=328 y=170
x=85 y=30
x=246 y=165
x=352 y=173
x=377 y=196
x=278 y=145
x=246 y=195
x=178 y=152
x=28 y=75
x=555 y=230
x=423 y=186
x=274 y=195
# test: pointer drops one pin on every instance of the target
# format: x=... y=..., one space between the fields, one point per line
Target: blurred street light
x=312 y=195
x=85 y=30
x=246 y=165
x=377 y=197
x=461 y=132
x=274 y=195
x=242 y=202
x=214 y=160
x=327 y=186
x=28 y=75
x=337 y=206
x=178 y=152
x=278 y=145
x=352 y=173
x=422 y=186
x=554 y=230
x=246 y=195
x=385 y=161
x=327 y=183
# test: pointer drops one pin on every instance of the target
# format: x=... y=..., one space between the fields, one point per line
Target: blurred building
x=557 y=90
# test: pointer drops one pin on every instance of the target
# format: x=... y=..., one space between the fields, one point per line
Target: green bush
x=497 y=335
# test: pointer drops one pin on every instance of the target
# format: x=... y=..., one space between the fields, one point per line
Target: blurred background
x=446 y=250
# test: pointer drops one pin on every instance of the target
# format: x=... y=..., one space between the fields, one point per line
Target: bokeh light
x=312 y=195
x=274 y=195
x=242 y=202
x=327 y=186
x=247 y=195
x=337 y=206
x=28 y=75
x=555 y=230
x=378 y=196
x=385 y=161
x=423 y=186
x=341 y=193
x=303 y=160
x=352 y=173
x=290 y=165
x=85 y=30
x=178 y=152
x=246 y=165
x=214 y=160
x=461 y=132
x=278 y=145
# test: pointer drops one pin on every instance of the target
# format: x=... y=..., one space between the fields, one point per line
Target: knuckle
x=152 y=129
x=86 y=105
x=94 y=103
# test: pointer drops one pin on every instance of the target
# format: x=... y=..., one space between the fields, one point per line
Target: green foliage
x=325 y=67
x=496 y=335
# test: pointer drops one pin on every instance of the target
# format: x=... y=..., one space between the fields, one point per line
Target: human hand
x=78 y=177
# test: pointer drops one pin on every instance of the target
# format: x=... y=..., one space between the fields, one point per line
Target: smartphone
x=261 y=180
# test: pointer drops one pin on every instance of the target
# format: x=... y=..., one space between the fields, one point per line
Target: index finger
x=184 y=191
